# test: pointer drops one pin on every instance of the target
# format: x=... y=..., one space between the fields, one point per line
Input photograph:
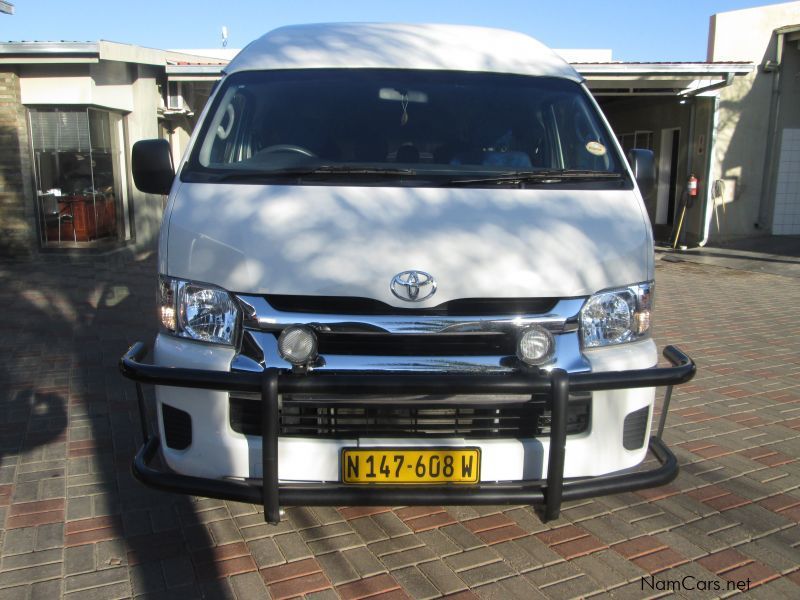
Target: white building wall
x=786 y=220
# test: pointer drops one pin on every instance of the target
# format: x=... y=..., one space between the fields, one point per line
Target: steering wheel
x=289 y=148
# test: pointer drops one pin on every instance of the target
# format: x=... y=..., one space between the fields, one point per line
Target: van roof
x=401 y=46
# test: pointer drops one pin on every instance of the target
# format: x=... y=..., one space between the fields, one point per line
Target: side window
x=581 y=142
x=233 y=138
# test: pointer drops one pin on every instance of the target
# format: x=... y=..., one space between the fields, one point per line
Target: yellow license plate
x=401 y=465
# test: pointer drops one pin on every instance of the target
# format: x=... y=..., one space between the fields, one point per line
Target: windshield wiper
x=318 y=170
x=548 y=176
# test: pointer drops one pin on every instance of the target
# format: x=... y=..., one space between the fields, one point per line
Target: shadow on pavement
x=70 y=319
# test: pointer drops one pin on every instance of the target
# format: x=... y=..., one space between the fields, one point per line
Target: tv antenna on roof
x=224 y=36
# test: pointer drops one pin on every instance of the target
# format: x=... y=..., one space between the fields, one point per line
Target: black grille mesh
x=396 y=419
x=177 y=427
x=634 y=428
x=439 y=344
x=340 y=305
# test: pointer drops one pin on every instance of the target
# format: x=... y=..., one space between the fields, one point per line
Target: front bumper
x=270 y=383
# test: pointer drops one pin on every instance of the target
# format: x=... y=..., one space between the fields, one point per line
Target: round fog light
x=536 y=345
x=297 y=344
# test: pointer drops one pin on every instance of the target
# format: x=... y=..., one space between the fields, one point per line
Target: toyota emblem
x=413 y=286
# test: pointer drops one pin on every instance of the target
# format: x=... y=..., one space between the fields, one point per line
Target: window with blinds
x=60 y=130
x=80 y=174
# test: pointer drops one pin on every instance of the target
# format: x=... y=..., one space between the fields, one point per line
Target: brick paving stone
x=178 y=571
x=640 y=546
x=415 y=512
x=776 y=588
x=326 y=515
x=80 y=559
x=552 y=574
x=778 y=551
x=353 y=512
x=292 y=546
x=486 y=523
x=779 y=502
x=86 y=581
x=299 y=586
x=438 y=542
x=577 y=587
x=391 y=524
x=580 y=547
x=727 y=502
x=562 y=534
x=327 y=594
x=725 y=560
x=32 y=559
x=292 y=570
x=265 y=552
x=442 y=576
x=322 y=532
x=364 y=562
x=753 y=573
x=660 y=560
x=337 y=568
x=225 y=532
x=486 y=573
x=248 y=585
x=364 y=588
x=404 y=542
x=462 y=536
x=519 y=588
x=367 y=530
x=335 y=544
x=433 y=521
x=415 y=584
x=465 y=595
x=407 y=558
x=471 y=559
x=526 y=553
x=608 y=568
x=501 y=534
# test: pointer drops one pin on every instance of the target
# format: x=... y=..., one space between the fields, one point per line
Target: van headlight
x=197 y=311
x=617 y=316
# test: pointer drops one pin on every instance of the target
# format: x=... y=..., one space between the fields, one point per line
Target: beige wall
x=106 y=84
x=142 y=124
x=743 y=139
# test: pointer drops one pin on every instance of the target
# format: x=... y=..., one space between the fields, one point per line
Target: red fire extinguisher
x=691 y=186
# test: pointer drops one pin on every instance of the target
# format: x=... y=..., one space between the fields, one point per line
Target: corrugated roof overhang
x=659 y=79
x=615 y=78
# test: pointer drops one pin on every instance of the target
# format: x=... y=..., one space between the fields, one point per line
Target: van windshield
x=408 y=126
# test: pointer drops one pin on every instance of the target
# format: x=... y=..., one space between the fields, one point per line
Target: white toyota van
x=402 y=264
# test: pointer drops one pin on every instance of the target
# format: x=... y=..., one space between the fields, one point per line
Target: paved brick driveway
x=74 y=522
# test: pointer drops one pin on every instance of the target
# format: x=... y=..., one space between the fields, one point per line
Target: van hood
x=351 y=241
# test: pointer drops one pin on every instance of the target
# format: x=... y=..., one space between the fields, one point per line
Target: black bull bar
x=272 y=382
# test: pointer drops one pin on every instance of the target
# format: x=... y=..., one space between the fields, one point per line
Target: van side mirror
x=643 y=165
x=151 y=163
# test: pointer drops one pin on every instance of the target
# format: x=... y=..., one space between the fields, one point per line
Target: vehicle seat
x=407 y=153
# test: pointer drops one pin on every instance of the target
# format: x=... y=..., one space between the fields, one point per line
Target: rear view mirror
x=151 y=163
x=643 y=165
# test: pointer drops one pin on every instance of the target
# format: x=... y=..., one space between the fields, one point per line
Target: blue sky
x=644 y=30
